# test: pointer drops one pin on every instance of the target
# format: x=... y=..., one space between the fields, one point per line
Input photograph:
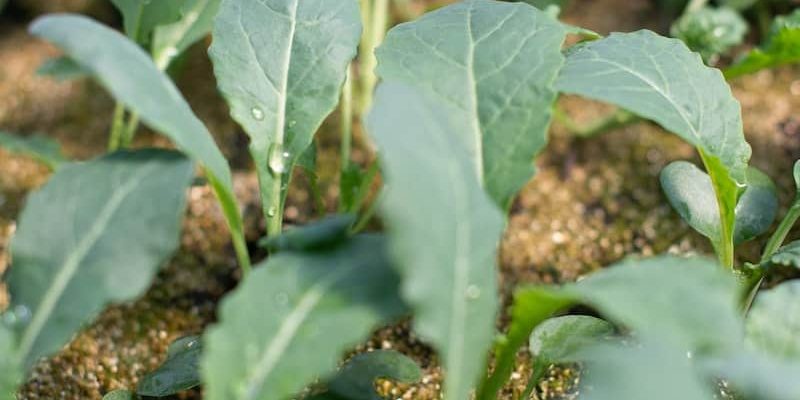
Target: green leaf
x=756 y=376
x=542 y=4
x=356 y=380
x=788 y=255
x=196 y=21
x=281 y=65
x=61 y=69
x=326 y=233
x=179 y=372
x=737 y=4
x=10 y=370
x=561 y=339
x=141 y=17
x=292 y=319
x=120 y=394
x=132 y=78
x=448 y=267
x=661 y=80
x=710 y=31
x=781 y=47
x=773 y=324
x=691 y=194
x=650 y=370
x=495 y=64
x=41 y=148
x=96 y=233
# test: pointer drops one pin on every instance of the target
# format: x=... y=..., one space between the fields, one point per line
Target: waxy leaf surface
x=561 y=339
x=180 y=371
x=196 y=21
x=773 y=323
x=443 y=228
x=281 y=64
x=96 y=233
x=356 y=379
x=141 y=17
x=495 y=64
x=293 y=318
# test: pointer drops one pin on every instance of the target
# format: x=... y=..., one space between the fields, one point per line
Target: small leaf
x=356 y=380
x=710 y=31
x=179 y=372
x=448 y=267
x=61 y=69
x=691 y=194
x=495 y=63
x=141 y=17
x=280 y=65
x=196 y=21
x=662 y=80
x=561 y=339
x=132 y=78
x=326 y=233
x=120 y=394
x=788 y=255
x=773 y=324
x=41 y=148
x=96 y=233
x=10 y=370
x=293 y=318
x=650 y=370
x=781 y=47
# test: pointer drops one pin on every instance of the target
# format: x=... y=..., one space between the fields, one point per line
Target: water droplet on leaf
x=278 y=159
x=271 y=212
x=473 y=292
x=258 y=113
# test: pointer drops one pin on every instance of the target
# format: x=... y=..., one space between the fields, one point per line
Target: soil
x=592 y=203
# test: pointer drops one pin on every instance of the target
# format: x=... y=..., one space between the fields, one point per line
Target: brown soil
x=592 y=203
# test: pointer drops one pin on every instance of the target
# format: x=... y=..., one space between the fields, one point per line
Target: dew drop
x=292 y=124
x=473 y=292
x=257 y=113
x=271 y=212
x=278 y=159
x=19 y=315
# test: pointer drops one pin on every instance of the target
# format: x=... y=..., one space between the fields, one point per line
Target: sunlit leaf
x=781 y=47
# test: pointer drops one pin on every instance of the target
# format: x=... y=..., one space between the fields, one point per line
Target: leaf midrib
x=70 y=266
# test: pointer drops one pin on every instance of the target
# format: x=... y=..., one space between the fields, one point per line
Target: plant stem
x=377 y=21
x=777 y=238
x=274 y=211
x=695 y=5
x=231 y=212
x=347 y=131
x=117 y=128
x=364 y=219
x=619 y=119
x=130 y=130
x=366 y=185
x=764 y=19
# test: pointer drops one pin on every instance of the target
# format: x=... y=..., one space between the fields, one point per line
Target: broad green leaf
x=531 y=306
x=356 y=380
x=120 y=394
x=96 y=233
x=132 y=78
x=561 y=339
x=141 y=17
x=757 y=377
x=691 y=194
x=788 y=255
x=10 y=370
x=293 y=318
x=781 y=47
x=443 y=229
x=495 y=64
x=196 y=21
x=660 y=79
x=326 y=233
x=689 y=303
x=61 y=69
x=710 y=31
x=773 y=324
x=650 y=370
x=281 y=64
x=41 y=148
x=179 y=372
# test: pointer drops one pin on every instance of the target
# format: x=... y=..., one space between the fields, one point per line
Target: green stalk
x=130 y=130
x=364 y=219
x=117 y=128
x=376 y=21
x=231 y=212
x=777 y=238
x=347 y=130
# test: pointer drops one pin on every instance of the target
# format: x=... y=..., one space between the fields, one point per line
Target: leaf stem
x=117 y=128
x=366 y=217
x=130 y=130
x=777 y=238
x=619 y=119
x=376 y=20
x=346 y=130
x=231 y=212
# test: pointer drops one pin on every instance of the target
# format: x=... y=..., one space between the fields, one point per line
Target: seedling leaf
x=107 y=226
x=41 y=148
x=561 y=339
x=448 y=266
x=788 y=255
x=356 y=380
x=280 y=65
x=710 y=31
x=196 y=21
x=781 y=47
x=774 y=322
x=500 y=82
x=179 y=372
x=291 y=320
x=325 y=233
x=661 y=80
x=61 y=69
x=141 y=17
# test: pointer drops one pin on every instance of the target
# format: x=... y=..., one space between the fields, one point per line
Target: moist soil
x=593 y=202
